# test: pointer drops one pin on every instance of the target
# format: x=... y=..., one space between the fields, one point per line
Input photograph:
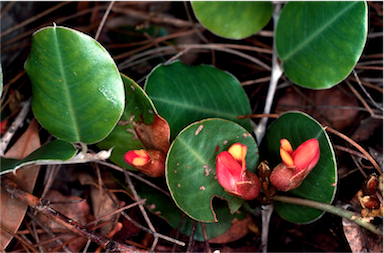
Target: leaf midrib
x=317 y=33
x=192 y=107
x=65 y=86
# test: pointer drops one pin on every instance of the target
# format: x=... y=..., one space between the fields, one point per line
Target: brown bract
x=154 y=136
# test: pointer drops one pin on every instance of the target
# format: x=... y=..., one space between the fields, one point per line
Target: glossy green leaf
x=191 y=168
x=184 y=94
x=138 y=107
x=320 y=184
x=164 y=207
x=233 y=19
x=57 y=150
x=321 y=42
x=78 y=94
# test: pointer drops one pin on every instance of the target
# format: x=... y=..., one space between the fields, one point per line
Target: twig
x=34 y=18
x=167 y=238
x=178 y=230
x=365 y=91
x=103 y=20
x=6 y=88
x=48 y=231
x=330 y=209
x=362 y=150
x=255 y=116
x=259 y=80
x=40 y=204
x=15 y=125
x=142 y=209
x=115 y=167
x=117 y=211
x=203 y=227
x=160 y=19
x=18 y=238
x=173 y=49
x=58 y=21
x=350 y=151
x=191 y=240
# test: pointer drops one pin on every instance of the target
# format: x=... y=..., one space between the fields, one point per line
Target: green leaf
x=233 y=19
x=184 y=94
x=320 y=184
x=57 y=150
x=123 y=138
x=78 y=94
x=163 y=206
x=191 y=168
x=321 y=42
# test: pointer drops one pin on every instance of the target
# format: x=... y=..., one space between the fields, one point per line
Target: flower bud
x=369 y=202
x=296 y=165
x=150 y=162
x=371 y=185
x=232 y=174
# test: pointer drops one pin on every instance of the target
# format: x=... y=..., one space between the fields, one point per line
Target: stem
x=266 y=213
x=354 y=217
x=259 y=131
x=276 y=73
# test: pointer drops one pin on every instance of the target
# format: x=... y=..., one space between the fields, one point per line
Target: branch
x=354 y=217
x=43 y=206
x=15 y=125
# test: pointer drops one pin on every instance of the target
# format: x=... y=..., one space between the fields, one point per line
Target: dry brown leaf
x=12 y=211
x=359 y=239
x=102 y=203
x=332 y=115
x=238 y=230
x=155 y=136
x=78 y=211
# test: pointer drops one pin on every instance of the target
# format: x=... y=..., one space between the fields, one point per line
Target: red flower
x=296 y=165
x=232 y=174
x=150 y=162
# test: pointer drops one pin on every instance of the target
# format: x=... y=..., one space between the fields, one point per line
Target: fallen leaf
x=335 y=114
x=102 y=203
x=12 y=211
x=359 y=239
x=238 y=230
x=78 y=211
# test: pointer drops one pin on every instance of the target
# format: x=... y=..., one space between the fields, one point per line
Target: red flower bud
x=150 y=162
x=296 y=165
x=232 y=174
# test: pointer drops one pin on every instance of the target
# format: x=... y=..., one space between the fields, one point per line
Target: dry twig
x=43 y=206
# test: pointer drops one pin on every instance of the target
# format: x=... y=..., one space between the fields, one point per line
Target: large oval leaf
x=191 y=168
x=320 y=42
x=78 y=94
x=320 y=184
x=184 y=94
x=233 y=19
x=138 y=108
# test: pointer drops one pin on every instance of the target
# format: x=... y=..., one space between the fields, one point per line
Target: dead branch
x=42 y=205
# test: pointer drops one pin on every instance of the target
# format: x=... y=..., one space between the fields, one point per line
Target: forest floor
x=346 y=108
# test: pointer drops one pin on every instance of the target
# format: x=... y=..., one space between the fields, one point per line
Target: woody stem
x=352 y=216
